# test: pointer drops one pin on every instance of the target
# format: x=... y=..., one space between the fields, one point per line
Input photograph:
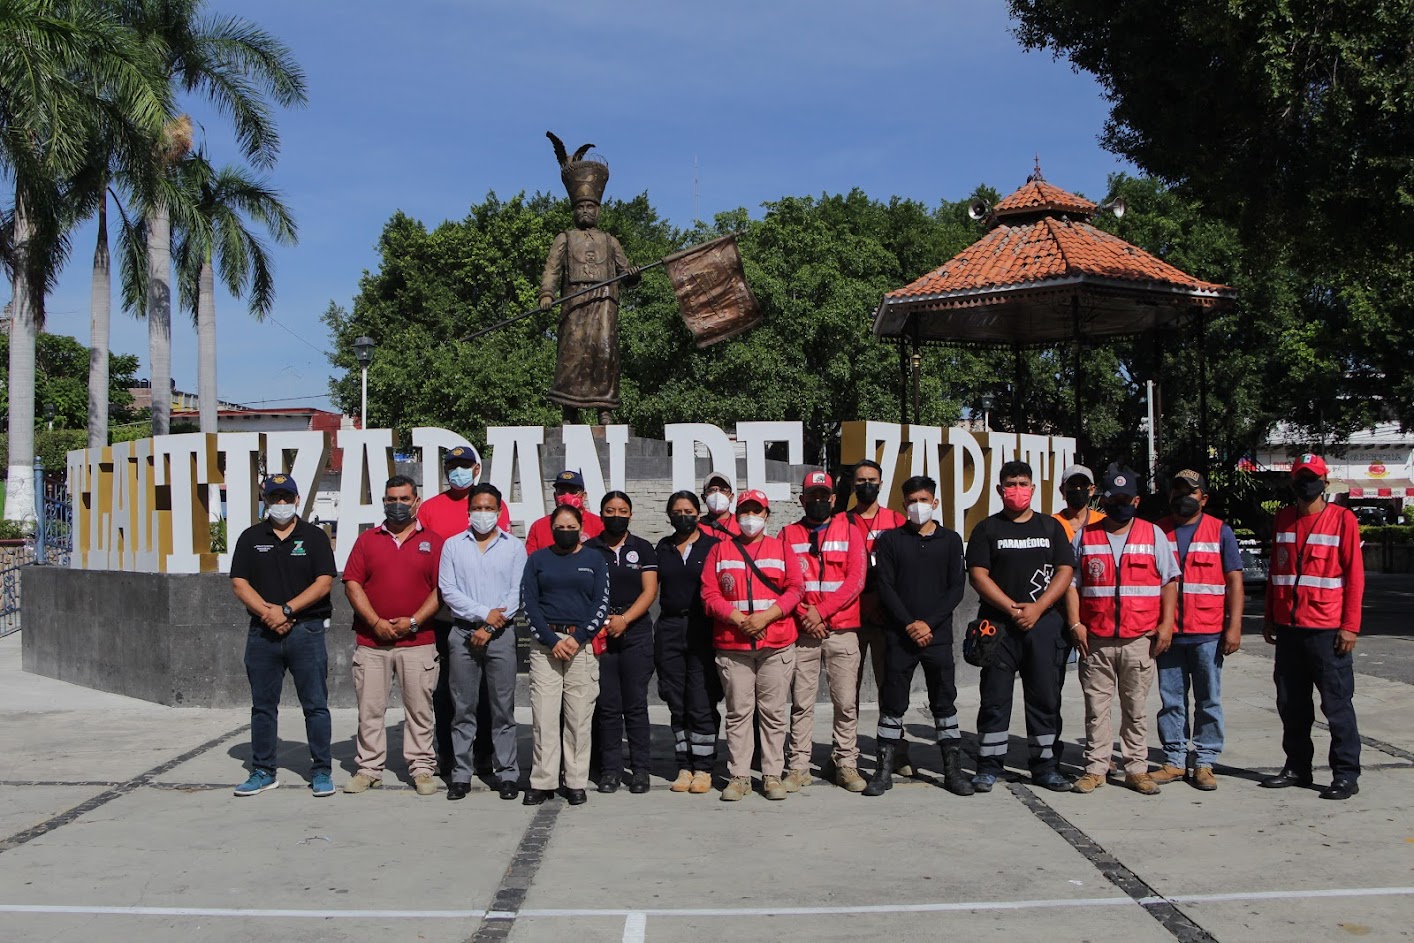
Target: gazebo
x=1042 y=276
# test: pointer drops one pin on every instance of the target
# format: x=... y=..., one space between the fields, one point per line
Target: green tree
x=61 y=381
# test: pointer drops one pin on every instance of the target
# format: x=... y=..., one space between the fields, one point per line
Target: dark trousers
x=268 y=656
x=444 y=711
x=689 y=684
x=1306 y=659
x=624 y=670
x=1039 y=656
x=901 y=659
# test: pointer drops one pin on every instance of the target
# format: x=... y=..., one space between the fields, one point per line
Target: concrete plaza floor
x=117 y=823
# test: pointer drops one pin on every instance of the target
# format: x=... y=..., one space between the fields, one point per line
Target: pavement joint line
x=1370 y=742
x=520 y=875
x=1175 y=921
x=114 y=792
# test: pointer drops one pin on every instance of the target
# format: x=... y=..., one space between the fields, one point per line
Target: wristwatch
x=287 y=611
x=412 y=623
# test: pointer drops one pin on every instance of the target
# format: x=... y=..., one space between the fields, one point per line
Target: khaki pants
x=840 y=653
x=756 y=683
x=417 y=668
x=562 y=691
x=1128 y=666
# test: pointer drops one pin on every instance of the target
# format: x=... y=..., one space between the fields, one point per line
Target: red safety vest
x=1202 y=597
x=1305 y=582
x=724 y=527
x=870 y=609
x=824 y=565
x=741 y=587
x=1133 y=591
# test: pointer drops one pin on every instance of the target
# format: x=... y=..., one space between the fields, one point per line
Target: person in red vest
x=1121 y=610
x=750 y=588
x=872 y=519
x=718 y=520
x=568 y=489
x=1314 y=592
x=1208 y=629
x=828 y=550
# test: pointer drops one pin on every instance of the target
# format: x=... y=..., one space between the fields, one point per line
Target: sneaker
x=322 y=784
x=772 y=788
x=259 y=781
x=1053 y=781
x=1088 y=783
x=701 y=782
x=1203 y=779
x=983 y=782
x=848 y=778
x=1168 y=773
x=797 y=779
x=738 y=788
x=1142 y=783
x=683 y=783
x=424 y=784
x=362 y=782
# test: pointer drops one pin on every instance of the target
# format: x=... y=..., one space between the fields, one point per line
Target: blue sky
x=426 y=106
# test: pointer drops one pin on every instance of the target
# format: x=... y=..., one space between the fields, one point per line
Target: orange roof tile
x=1039 y=195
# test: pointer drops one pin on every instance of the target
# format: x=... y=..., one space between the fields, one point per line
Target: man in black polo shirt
x=282 y=570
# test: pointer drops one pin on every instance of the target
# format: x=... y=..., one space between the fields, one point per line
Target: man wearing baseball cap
x=282 y=570
x=718 y=521
x=829 y=551
x=568 y=489
x=1314 y=592
x=1077 y=488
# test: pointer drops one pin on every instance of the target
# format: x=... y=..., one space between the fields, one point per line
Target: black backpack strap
x=765 y=580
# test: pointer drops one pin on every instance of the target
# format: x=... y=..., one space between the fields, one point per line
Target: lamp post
x=49 y=415
x=987 y=402
x=363 y=352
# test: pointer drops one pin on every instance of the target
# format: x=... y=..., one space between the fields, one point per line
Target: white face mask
x=483 y=522
x=281 y=513
x=751 y=524
x=717 y=502
x=920 y=512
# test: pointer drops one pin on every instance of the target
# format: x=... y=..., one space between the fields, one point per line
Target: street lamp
x=987 y=401
x=363 y=352
x=49 y=415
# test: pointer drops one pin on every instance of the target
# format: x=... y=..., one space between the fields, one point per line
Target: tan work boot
x=1088 y=783
x=902 y=764
x=362 y=782
x=1167 y=773
x=701 y=782
x=683 y=782
x=424 y=784
x=738 y=788
x=797 y=779
x=1142 y=783
x=772 y=788
x=847 y=777
x=1204 y=779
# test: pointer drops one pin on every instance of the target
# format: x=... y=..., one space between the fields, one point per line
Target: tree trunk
x=100 y=310
x=19 y=479
x=206 y=347
x=159 y=316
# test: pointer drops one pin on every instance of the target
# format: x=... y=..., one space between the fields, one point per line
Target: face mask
x=1124 y=513
x=1308 y=489
x=717 y=502
x=615 y=526
x=1077 y=498
x=683 y=523
x=1017 y=497
x=459 y=478
x=397 y=512
x=819 y=511
x=751 y=524
x=280 y=513
x=573 y=500
x=566 y=539
x=920 y=513
x=1184 y=506
x=483 y=522
x=867 y=492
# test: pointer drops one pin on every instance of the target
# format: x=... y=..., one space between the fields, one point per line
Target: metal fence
x=51 y=545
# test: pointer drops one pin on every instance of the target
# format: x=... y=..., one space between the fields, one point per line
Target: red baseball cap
x=817 y=479
x=746 y=497
x=1311 y=463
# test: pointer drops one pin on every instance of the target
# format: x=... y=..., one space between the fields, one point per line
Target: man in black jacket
x=920 y=581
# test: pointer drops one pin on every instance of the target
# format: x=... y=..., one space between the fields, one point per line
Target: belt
x=675 y=615
x=562 y=628
x=617 y=610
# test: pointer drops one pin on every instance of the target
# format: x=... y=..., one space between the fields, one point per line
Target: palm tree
x=64 y=68
x=217 y=241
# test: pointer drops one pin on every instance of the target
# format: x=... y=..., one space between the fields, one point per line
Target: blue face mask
x=459 y=478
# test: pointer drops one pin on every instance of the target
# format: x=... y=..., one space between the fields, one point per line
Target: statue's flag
x=715 y=300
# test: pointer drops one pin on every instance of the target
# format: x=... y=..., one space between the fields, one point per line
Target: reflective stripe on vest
x=823 y=557
x=1203 y=583
x=1119 y=599
x=1306 y=583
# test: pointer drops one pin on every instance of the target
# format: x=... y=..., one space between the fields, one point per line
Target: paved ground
x=117 y=823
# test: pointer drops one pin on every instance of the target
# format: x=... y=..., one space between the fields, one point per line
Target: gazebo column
x=1203 y=389
x=1018 y=412
x=1079 y=376
x=902 y=383
x=917 y=361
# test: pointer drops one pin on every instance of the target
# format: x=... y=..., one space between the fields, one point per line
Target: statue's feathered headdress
x=584 y=178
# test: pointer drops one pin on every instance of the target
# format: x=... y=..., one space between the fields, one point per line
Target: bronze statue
x=587 y=352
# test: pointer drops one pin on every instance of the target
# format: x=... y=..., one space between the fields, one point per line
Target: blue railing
x=52 y=544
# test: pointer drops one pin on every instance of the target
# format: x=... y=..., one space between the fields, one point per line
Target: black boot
x=883 y=779
x=955 y=780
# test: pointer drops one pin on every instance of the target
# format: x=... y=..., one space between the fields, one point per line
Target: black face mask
x=615 y=526
x=1124 y=513
x=1308 y=489
x=566 y=539
x=867 y=492
x=1183 y=505
x=683 y=523
x=820 y=510
x=396 y=512
x=1077 y=498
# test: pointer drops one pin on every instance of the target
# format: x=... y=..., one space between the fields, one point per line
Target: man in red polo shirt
x=391 y=582
x=569 y=489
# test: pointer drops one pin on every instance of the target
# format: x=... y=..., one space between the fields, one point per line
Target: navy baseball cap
x=1121 y=481
x=279 y=483
x=462 y=453
x=570 y=478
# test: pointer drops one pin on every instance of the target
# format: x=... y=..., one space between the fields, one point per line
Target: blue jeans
x=1199 y=667
x=267 y=657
